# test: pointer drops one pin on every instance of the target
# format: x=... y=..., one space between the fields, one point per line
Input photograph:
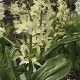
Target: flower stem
x=9 y=41
x=30 y=47
x=70 y=10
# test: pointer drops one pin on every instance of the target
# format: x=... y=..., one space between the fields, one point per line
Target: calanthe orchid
x=1 y=10
x=33 y=22
x=77 y=7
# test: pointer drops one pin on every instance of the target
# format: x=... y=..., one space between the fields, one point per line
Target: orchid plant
x=41 y=33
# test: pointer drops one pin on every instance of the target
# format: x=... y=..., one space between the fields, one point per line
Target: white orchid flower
x=2 y=30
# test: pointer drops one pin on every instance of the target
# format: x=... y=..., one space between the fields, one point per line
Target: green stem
x=30 y=47
x=26 y=75
x=3 y=47
x=30 y=69
x=41 y=18
x=70 y=10
x=9 y=41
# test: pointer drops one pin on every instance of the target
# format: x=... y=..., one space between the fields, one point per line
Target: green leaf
x=60 y=73
x=7 y=28
x=15 y=55
x=20 y=69
x=53 y=69
x=57 y=44
x=1 y=71
x=12 y=72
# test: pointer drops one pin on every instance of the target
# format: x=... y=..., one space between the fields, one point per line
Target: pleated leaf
x=53 y=69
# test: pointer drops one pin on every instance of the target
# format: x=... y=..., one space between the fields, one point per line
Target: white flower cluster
x=63 y=17
x=1 y=10
x=37 y=21
x=17 y=9
x=23 y=26
x=2 y=30
x=63 y=11
x=1 y=0
x=77 y=7
x=35 y=27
